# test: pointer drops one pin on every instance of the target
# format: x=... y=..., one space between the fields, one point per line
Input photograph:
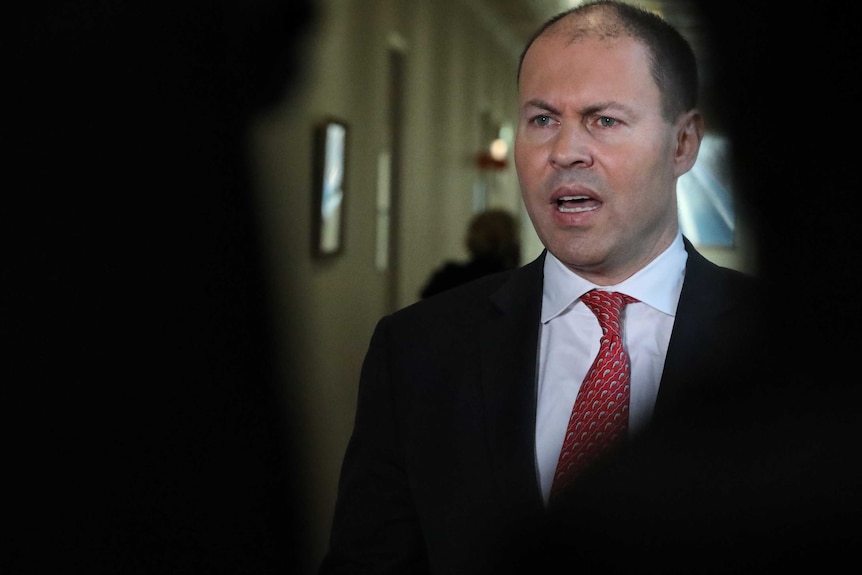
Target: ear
x=689 y=134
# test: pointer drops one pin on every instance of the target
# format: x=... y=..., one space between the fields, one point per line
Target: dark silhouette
x=493 y=242
x=149 y=436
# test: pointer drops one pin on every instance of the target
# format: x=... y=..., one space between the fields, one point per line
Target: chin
x=575 y=255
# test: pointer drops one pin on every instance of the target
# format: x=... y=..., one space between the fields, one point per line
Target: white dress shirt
x=569 y=341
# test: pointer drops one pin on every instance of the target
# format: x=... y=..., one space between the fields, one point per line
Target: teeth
x=576 y=209
x=567 y=204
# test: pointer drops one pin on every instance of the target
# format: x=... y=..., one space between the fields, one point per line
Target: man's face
x=597 y=162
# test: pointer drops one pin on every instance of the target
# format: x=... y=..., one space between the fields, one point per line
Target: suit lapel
x=702 y=301
x=509 y=344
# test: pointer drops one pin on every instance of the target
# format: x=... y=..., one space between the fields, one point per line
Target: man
x=767 y=482
x=465 y=398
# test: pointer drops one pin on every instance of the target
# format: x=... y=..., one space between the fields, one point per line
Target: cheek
x=521 y=168
x=641 y=171
x=650 y=192
x=527 y=162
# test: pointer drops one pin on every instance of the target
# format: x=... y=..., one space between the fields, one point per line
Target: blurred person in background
x=493 y=242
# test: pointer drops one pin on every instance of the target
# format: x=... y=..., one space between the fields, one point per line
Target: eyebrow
x=591 y=109
x=540 y=104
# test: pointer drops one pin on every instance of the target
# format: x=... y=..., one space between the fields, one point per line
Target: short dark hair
x=494 y=234
x=673 y=63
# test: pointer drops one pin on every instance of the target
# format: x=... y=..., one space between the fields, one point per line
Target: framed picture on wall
x=330 y=170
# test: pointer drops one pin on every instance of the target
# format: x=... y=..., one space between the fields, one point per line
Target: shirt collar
x=658 y=285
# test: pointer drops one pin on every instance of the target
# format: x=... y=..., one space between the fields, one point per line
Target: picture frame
x=330 y=186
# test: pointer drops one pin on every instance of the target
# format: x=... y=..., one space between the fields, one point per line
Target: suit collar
x=657 y=285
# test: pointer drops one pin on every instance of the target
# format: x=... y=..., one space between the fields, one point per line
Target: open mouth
x=575 y=204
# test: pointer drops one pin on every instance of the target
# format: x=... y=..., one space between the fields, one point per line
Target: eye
x=606 y=122
x=542 y=120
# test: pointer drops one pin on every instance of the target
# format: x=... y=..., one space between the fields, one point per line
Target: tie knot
x=607 y=306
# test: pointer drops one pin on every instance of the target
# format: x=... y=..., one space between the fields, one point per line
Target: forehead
x=557 y=63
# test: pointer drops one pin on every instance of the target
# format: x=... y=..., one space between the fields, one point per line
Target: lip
x=573 y=191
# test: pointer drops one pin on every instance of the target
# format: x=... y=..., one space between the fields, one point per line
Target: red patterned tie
x=600 y=416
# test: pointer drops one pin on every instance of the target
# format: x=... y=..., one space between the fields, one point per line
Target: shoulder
x=709 y=286
x=512 y=291
x=459 y=301
x=727 y=311
x=700 y=270
x=444 y=278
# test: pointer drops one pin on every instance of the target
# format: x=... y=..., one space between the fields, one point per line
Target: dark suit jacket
x=440 y=475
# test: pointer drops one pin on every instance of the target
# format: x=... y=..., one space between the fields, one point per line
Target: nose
x=570 y=148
